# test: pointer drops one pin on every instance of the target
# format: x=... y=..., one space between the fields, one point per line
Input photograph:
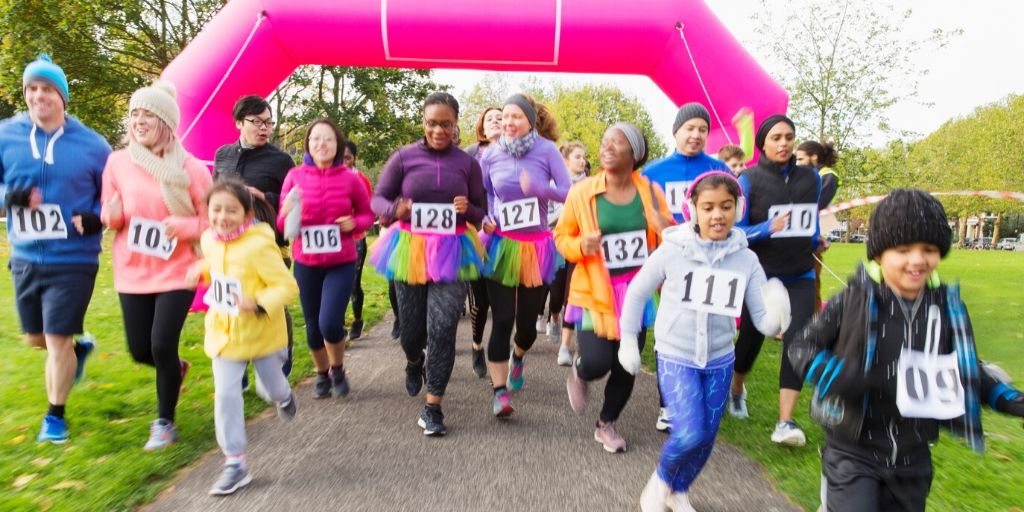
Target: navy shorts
x=52 y=299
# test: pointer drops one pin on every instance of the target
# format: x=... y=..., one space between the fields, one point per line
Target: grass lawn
x=993 y=289
x=103 y=466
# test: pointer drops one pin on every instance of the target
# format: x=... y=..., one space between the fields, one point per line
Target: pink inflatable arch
x=251 y=46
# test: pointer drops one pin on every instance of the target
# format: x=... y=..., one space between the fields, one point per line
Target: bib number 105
x=437 y=218
x=718 y=292
x=224 y=294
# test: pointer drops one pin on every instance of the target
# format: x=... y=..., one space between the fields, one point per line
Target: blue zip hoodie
x=680 y=169
x=67 y=167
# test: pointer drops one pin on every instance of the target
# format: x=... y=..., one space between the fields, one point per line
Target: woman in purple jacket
x=334 y=205
x=522 y=173
x=435 y=193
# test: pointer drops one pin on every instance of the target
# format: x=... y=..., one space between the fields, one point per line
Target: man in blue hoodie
x=51 y=167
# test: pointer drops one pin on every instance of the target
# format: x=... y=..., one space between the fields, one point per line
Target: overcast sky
x=978 y=67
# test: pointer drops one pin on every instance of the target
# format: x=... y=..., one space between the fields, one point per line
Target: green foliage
x=844 y=63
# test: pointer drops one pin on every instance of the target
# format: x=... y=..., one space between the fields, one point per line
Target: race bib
x=43 y=223
x=675 y=194
x=224 y=294
x=928 y=383
x=716 y=291
x=624 y=250
x=437 y=218
x=524 y=213
x=803 y=219
x=149 y=237
x=325 y=238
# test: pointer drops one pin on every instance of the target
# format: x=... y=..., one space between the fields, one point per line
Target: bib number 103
x=147 y=236
x=718 y=292
x=438 y=218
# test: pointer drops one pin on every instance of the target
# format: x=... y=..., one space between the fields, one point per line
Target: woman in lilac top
x=435 y=193
x=522 y=172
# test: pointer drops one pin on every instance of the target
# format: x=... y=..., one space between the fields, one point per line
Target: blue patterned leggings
x=695 y=399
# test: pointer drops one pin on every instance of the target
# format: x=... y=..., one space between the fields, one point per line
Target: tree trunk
x=995 y=230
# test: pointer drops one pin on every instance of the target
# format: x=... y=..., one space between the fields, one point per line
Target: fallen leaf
x=43 y=502
x=16 y=440
x=23 y=480
x=104 y=356
x=120 y=421
x=1001 y=457
x=102 y=459
x=106 y=385
x=41 y=462
x=77 y=485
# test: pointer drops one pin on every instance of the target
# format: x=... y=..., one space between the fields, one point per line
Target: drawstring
x=49 y=145
x=437 y=163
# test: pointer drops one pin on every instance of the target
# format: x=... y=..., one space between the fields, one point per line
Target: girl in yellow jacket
x=249 y=289
x=609 y=224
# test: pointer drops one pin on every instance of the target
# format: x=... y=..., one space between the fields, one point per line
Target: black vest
x=781 y=256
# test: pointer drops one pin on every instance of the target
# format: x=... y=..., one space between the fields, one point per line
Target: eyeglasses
x=444 y=125
x=269 y=123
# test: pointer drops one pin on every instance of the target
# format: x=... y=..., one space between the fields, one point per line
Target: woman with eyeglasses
x=334 y=207
x=435 y=193
x=522 y=173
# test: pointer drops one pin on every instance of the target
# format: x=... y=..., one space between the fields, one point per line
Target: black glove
x=90 y=223
x=18 y=197
x=1014 y=406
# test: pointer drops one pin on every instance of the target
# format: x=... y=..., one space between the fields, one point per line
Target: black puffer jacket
x=263 y=168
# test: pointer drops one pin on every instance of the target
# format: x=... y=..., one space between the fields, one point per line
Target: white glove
x=629 y=353
x=293 y=221
x=776 y=302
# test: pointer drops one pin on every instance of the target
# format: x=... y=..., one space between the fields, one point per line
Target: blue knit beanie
x=44 y=69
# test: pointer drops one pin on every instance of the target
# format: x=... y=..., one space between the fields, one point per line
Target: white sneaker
x=663 y=421
x=541 y=325
x=551 y=329
x=789 y=434
x=564 y=356
x=738 y=405
x=680 y=502
x=655 y=495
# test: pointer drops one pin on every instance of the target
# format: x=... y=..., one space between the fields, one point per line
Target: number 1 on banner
x=803 y=219
x=437 y=218
x=719 y=292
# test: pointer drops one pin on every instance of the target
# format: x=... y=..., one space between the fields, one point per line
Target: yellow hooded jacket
x=253 y=259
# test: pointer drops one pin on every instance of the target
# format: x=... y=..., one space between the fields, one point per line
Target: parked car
x=982 y=243
x=859 y=239
x=834 y=236
x=1006 y=244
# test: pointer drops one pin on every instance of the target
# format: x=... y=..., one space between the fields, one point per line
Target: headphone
x=691 y=217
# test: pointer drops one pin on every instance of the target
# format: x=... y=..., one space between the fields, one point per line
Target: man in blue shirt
x=675 y=172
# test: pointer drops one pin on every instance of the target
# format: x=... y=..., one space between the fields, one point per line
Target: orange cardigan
x=591 y=286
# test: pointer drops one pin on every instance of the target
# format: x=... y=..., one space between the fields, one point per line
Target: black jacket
x=263 y=168
x=768 y=187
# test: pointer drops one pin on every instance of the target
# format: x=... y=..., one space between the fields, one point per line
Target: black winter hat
x=906 y=216
x=766 y=126
x=690 y=111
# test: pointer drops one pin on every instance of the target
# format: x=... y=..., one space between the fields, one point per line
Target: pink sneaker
x=577 y=390
x=609 y=438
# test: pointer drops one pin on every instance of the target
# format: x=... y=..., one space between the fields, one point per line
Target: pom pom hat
x=43 y=69
x=159 y=99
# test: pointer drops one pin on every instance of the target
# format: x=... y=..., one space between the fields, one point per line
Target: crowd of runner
x=695 y=247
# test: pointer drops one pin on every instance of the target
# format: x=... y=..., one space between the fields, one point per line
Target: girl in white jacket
x=707 y=274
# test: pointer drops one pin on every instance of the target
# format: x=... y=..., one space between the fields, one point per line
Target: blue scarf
x=517 y=146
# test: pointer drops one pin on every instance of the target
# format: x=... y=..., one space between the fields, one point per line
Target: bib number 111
x=715 y=291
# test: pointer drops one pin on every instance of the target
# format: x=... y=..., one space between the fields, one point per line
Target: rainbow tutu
x=581 y=317
x=521 y=259
x=413 y=258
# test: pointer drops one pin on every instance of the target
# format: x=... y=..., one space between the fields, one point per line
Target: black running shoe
x=396 y=330
x=322 y=386
x=479 y=366
x=414 y=378
x=432 y=421
x=356 y=331
x=339 y=383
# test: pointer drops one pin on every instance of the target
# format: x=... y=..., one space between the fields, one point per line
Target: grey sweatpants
x=228 y=412
x=430 y=319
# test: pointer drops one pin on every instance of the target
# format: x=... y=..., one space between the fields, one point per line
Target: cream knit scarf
x=169 y=170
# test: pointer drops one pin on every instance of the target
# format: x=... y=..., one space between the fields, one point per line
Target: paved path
x=365 y=452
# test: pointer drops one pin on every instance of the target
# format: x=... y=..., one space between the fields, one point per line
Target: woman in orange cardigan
x=609 y=224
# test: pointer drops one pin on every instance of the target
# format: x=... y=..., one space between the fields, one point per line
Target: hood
x=24 y=122
x=707 y=251
x=260 y=230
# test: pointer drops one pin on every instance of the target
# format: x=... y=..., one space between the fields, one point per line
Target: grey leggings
x=430 y=319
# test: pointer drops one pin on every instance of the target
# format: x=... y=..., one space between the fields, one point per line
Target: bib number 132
x=438 y=218
x=624 y=250
x=718 y=292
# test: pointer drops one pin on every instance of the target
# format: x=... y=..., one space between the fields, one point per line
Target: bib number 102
x=43 y=223
x=715 y=291
x=436 y=218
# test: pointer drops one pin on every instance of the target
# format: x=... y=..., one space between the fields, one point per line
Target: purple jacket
x=326 y=195
x=425 y=175
x=543 y=164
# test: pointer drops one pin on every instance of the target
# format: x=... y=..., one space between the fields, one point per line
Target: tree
x=844 y=63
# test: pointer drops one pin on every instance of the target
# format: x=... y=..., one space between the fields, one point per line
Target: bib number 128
x=436 y=218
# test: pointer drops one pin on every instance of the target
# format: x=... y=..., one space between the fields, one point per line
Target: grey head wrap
x=520 y=101
x=635 y=138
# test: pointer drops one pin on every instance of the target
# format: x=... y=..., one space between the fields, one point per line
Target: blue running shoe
x=85 y=345
x=515 y=373
x=54 y=430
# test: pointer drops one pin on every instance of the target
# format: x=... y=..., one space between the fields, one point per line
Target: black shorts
x=52 y=299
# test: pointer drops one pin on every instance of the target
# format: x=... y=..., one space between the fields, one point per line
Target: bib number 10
x=719 y=292
x=437 y=218
x=43 y=223
x=803 y=219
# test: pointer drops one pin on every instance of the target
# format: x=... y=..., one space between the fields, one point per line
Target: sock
x=338 y=372
x=499 y=390
x=321 y=374
x=516 y=358
x=79 y=349
x=235 y=460
x=56 y=410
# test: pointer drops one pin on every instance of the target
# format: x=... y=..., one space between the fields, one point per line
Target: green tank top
x=614 y=218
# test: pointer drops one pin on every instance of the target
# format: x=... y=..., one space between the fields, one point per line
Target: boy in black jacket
x=892 y=358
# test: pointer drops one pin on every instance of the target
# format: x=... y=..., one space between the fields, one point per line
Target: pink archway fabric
x=251 y=46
